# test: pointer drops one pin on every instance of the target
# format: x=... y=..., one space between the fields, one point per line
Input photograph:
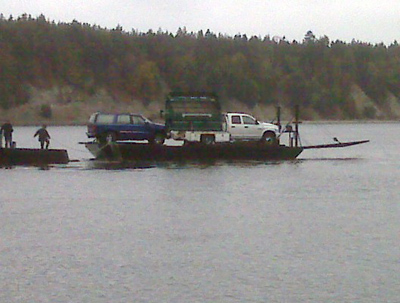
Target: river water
x=323 y=228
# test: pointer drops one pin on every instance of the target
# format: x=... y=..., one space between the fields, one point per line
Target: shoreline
x=63 y=124
x=77 y=114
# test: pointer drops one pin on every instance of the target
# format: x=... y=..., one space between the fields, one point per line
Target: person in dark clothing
x=7 y=130
x=43 y=136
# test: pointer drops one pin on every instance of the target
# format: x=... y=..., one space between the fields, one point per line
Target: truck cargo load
x=195 y=117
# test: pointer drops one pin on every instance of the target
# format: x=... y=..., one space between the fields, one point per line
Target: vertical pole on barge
x=296 y=123
x=278 y=117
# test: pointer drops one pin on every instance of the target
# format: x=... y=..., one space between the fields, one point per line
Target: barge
x=32 y=156
x=142 y=152
x=260 y=150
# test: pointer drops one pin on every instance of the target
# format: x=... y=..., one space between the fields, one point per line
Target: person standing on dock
x=43 y=136
x=7 y=130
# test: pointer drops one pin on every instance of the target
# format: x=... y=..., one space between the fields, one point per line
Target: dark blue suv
x=107 y=127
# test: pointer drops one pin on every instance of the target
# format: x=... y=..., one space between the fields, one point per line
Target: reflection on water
x=120 y=165
x=116 y=165
x=332 y=159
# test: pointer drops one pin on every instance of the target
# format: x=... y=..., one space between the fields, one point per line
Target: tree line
x=315 y=73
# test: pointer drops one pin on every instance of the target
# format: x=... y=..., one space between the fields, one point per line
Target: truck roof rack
x=195 y=94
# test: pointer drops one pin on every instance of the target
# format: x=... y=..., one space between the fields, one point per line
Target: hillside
x=61 y=73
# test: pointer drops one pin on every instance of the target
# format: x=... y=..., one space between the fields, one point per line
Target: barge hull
x=32 y=156
x=157 y=153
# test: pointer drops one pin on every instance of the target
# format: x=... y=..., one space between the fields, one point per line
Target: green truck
x=195 y=117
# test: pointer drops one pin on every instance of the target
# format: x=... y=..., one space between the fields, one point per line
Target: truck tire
x=207 y=139
x=269 y=138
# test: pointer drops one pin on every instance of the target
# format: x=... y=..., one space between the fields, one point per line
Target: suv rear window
x=105 y=119
x=92 y=118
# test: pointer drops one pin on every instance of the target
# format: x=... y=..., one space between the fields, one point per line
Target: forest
x=333 y=79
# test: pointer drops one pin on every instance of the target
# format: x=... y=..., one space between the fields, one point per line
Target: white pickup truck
x=242 y=126
x=236 y=127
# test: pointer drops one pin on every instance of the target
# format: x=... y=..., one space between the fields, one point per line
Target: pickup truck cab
x=242 y=126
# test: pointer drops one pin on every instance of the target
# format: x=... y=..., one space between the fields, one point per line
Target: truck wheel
x=158 y=139
x=207 y=139
x=269 y=138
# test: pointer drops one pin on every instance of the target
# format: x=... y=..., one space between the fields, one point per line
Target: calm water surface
x=324 y=228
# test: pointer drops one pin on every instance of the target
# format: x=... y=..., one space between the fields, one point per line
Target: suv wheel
x=110 y=137
x=159 y=139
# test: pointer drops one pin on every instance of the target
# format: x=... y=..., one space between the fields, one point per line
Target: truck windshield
x=249 y=120
x=138 y=120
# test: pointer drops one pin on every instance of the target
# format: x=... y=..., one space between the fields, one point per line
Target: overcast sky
x=364 y=20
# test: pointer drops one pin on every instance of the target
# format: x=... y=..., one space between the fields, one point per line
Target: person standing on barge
x=7 y=130
x=43 y=136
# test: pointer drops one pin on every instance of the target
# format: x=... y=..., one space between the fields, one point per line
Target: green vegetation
x=329 y=79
